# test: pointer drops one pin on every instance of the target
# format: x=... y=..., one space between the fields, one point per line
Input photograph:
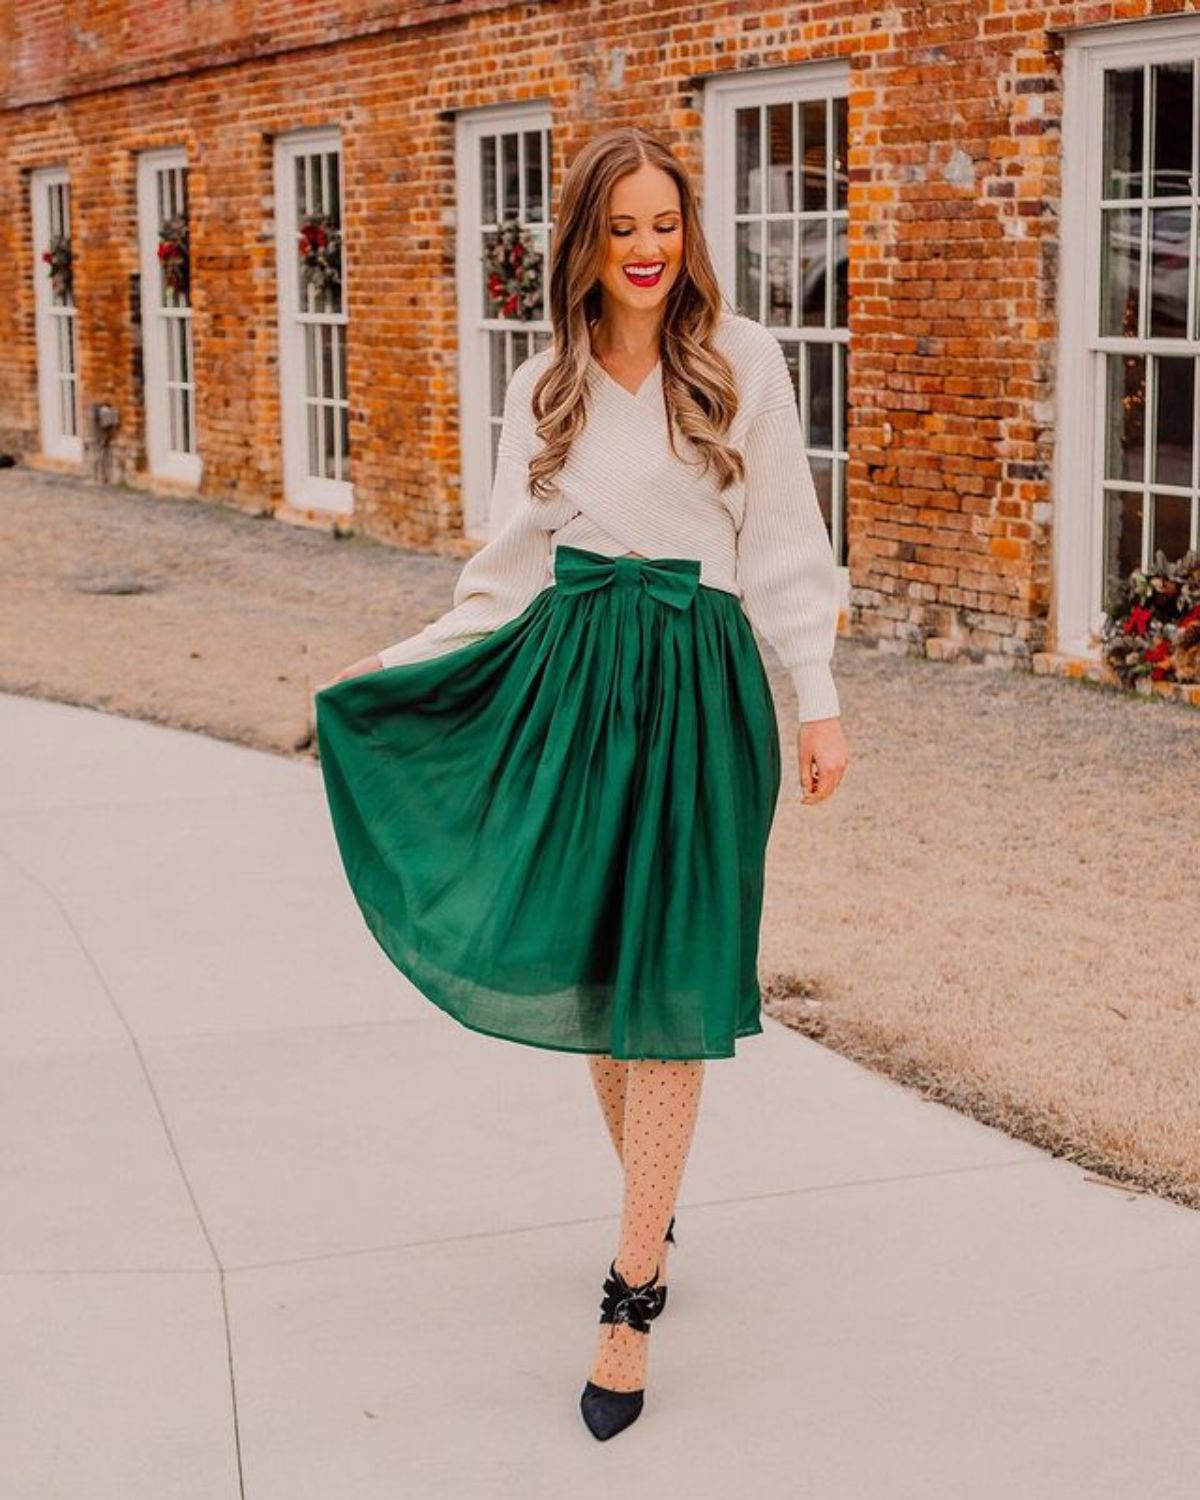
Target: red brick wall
x=954 y=193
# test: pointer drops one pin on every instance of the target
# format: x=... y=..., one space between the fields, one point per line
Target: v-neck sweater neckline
x=649 y=380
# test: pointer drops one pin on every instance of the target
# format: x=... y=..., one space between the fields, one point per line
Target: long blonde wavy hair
x=698 y=386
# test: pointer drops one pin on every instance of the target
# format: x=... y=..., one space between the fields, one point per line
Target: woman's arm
x=786 y=567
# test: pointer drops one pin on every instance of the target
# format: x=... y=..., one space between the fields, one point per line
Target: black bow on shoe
x=635 y=1305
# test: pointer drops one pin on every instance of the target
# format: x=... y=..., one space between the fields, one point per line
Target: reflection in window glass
x=781 y=271
x=819 y=426
x=812 y=272
x=780 y=120
x=1120 y=270
x=1170 y=524
x=1171 y=167
x=813 y=154
x=1125 y=411
x=1170 y=262
x=1122 y=534
x=1122 y=140
x=747 y=169
x=838 y=173
x=487 y=178
x=747 y=274
x=1173 y=424
x=510 y=175
x=841 y=266
x=534 y=142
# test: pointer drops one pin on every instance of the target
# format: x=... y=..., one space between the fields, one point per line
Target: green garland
x=174 y=255
x=514 y=273
x=60 y=260
x=320 y=247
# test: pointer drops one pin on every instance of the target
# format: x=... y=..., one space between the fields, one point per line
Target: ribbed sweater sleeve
x=503 y=576
x=786 y=567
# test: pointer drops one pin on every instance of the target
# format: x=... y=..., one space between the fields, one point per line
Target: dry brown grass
x=1000 y=907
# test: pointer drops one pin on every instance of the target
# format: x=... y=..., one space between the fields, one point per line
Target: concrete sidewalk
x=275 y=1226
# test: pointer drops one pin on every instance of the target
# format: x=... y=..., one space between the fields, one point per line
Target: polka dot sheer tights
x=650 y=1109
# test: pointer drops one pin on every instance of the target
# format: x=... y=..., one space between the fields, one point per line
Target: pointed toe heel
x=606 y=1411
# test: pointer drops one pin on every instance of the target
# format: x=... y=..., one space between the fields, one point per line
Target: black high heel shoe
x=606 y=1411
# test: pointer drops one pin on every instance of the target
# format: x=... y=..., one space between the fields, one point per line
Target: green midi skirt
x=558 y=831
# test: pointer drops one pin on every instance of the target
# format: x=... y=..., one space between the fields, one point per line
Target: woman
x=553 y=802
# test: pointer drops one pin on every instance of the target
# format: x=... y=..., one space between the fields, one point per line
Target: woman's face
x=645 y=239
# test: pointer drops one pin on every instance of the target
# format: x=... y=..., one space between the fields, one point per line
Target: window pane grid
x=514 y=183
x=175 y=400
x=514 y=176
x=171 y=193
x=62 y=315
x=67 y=379
x=1146 y=313
x=790 y=231
x=507 y=348
x=323 y=322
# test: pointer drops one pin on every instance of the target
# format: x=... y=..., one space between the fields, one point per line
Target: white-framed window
x=503 y=184
x=313 y=323
x=167 y=361
x=54 y=313
x=1127 y=478
x=776 y=216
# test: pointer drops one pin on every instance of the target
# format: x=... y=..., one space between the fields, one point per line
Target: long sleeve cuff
x=785 y=559
x=816 y=691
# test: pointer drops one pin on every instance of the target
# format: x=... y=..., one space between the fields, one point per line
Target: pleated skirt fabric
x=558 y=831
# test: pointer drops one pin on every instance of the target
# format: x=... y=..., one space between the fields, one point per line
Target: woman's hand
x=822 y=749
x=355 y=669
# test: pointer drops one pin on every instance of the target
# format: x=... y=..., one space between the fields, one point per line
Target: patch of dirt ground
x=1000 y=907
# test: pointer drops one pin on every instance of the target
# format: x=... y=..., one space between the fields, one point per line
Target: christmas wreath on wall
x=1152 y=623
x=514 y=273
x=58 y=258
x=320 y=253
x=173 y=254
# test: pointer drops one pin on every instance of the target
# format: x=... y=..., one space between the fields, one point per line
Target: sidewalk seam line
x=170 y=1139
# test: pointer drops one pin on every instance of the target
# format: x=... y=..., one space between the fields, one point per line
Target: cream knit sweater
x=623 y=491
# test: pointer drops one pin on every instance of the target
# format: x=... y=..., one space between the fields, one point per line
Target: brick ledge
x=1059 y=664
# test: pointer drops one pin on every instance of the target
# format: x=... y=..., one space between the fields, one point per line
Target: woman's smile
x=645 y=273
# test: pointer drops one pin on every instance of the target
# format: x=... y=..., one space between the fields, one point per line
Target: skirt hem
x=424 y=979
x=522 y=1041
